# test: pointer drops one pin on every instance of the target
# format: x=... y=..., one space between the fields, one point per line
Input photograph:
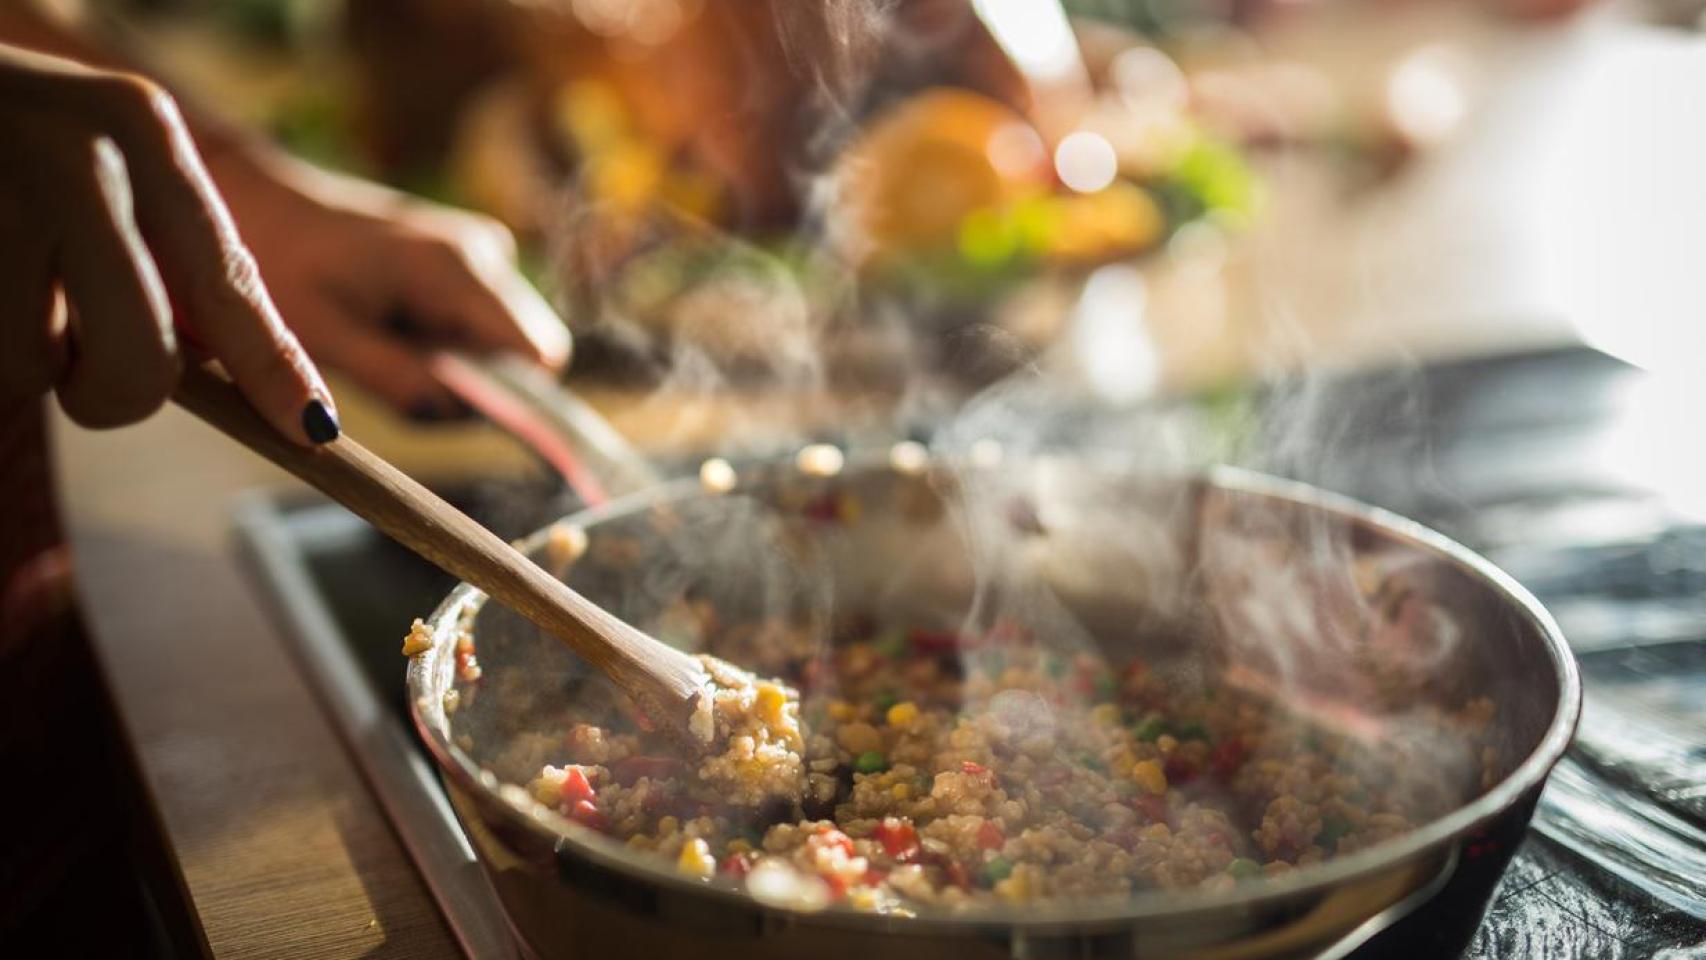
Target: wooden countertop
x=283 y=850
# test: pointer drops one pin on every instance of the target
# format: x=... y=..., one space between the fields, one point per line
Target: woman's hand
x=112 y=236
x=372 y=280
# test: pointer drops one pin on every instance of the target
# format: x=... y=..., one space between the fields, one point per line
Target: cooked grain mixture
x=752 y=729
x=937 y=770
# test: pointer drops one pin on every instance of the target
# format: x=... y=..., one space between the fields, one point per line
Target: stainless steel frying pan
x=1176 y=581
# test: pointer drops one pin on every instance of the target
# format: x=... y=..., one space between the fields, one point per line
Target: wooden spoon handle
x=663 y=680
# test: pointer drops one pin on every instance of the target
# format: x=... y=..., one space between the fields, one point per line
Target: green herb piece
x=890 y=643
x=871 y=761
x=995 y=870
x=1244 y=867
x=1333 y=828
x=1104 y=685
x=1191 y=731
x=1150 y=727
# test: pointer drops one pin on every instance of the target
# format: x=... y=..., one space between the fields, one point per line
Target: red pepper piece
x=1179 y=770
x=989 y=836
x=898 y=838
x=736 y=865
x=576 y=786
x=837 y=886
x=824 y=508
x=1228 y=756
x=934 y=641
x=467 y=666
x=836 y=838
x=587 y=813
x=966 y=766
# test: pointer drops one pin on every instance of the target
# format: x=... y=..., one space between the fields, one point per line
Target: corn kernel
x=841 y=710
x=1105 y=715
x=1149 y=776
x=771 y=700
x=737 y=845
x=564 y=544
x=900 y=791
x=548 y=788
x=903 y=714
x=668 y=825
x=696 y=860
x=1122 y=763
x=849 y=508
x=419 y=639
x=1166 y=743
x=1016 y=889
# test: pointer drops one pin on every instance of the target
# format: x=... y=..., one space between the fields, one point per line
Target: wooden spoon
x=664 y=681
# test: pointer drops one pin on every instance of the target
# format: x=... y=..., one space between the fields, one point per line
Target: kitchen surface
x=1476 y=306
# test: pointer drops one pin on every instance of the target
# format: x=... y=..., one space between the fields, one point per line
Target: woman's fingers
x=211 y=275
x=390 y=369
x=134 y=230
x=123 y=355
x=459 y=279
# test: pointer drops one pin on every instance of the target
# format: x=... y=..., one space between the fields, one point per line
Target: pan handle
x=527 y=401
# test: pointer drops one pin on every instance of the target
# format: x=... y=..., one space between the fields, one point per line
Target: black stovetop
x=1510 y=455
x=1546 y=463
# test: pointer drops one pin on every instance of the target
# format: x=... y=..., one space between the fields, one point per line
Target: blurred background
x=908 y=201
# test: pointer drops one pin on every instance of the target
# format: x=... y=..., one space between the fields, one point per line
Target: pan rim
x=1426 y=841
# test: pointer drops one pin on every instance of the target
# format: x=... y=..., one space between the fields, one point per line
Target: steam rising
x=1058 y=498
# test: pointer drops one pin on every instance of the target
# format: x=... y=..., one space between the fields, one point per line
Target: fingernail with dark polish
x=319 y=422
